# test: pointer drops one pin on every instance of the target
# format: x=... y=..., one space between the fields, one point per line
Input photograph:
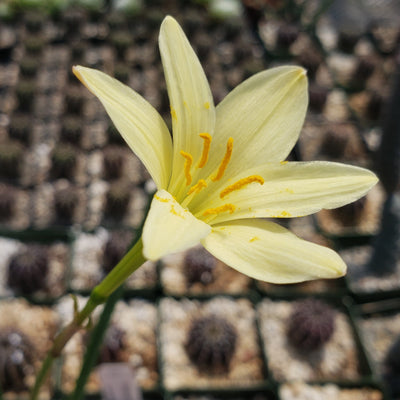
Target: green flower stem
x=130 y=263
x=96 y=339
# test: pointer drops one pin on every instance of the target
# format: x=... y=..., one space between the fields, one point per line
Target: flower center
x=203 y=183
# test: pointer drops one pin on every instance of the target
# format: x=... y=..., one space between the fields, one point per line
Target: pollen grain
x=173 y=114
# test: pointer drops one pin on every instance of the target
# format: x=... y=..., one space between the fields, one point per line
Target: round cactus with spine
x=199 y=265
x=311 y=324
x=211 y=344
x=16 y=360
x=28 y=270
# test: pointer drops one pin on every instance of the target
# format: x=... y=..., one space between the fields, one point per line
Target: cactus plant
x=113 y=161
x=11 y=153
x=28 y=270
x=16 y=360
x=116 y=246
x=199 y=265
x=7 y=201
x=311 y=324
x=118 y=197
x=64 y=161
x=211 y=344
x=65 y=203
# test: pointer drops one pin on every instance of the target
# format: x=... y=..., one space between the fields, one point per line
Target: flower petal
x=138 y=122
x=170 y=228
x=290 y=189
x=192 y=106
x=266 y=251
x=264 y=116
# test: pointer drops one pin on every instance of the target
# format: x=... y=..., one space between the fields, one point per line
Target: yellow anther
x=218 y=210
x=206 y=149
x=188 y=163
x=225 y=161
x=240 y=184
x=173 y=114
x=207 y=105
x=201 y=184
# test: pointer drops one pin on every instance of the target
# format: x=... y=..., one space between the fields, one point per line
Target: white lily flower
x=223 y=170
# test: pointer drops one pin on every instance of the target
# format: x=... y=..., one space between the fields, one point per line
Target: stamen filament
x=240 y=184
x=188 y=163
x=206 y=149
x=224 y=162
x=221 y=209
x=201 y=184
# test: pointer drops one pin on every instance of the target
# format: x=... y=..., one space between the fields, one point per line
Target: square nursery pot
x=264 y=394
x=99 y=252
x=35 y=265
x=130 y=338
x=369 y=281
x=379 y=325
x=195 y=272
x=209 y=345
x=312 y=340
x=354 y=222
x=329 y=391
x=26 y=332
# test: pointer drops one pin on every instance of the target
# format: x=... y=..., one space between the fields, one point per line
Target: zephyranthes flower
x=224 y=170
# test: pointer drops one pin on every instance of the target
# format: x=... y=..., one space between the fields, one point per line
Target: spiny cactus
x=114 y=157
x=25 y=91
x=318 y=96
x=28 y=270
x=74 y=100
x=335 y=142
x=311 y=324
x=7 y=201
x=118 y=197
x=64 y=161
x=71 y=129
x=11 y=153
x=16 y=360
x=20 y=127
x=211 y=344
x=65 y=203
x=350 y=214
x=199 y=265
x=121 y=40
x=115 y=249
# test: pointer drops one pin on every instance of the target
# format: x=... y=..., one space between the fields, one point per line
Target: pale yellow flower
x=224 y=170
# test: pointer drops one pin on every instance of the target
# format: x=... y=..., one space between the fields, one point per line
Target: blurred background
x=73 y=196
